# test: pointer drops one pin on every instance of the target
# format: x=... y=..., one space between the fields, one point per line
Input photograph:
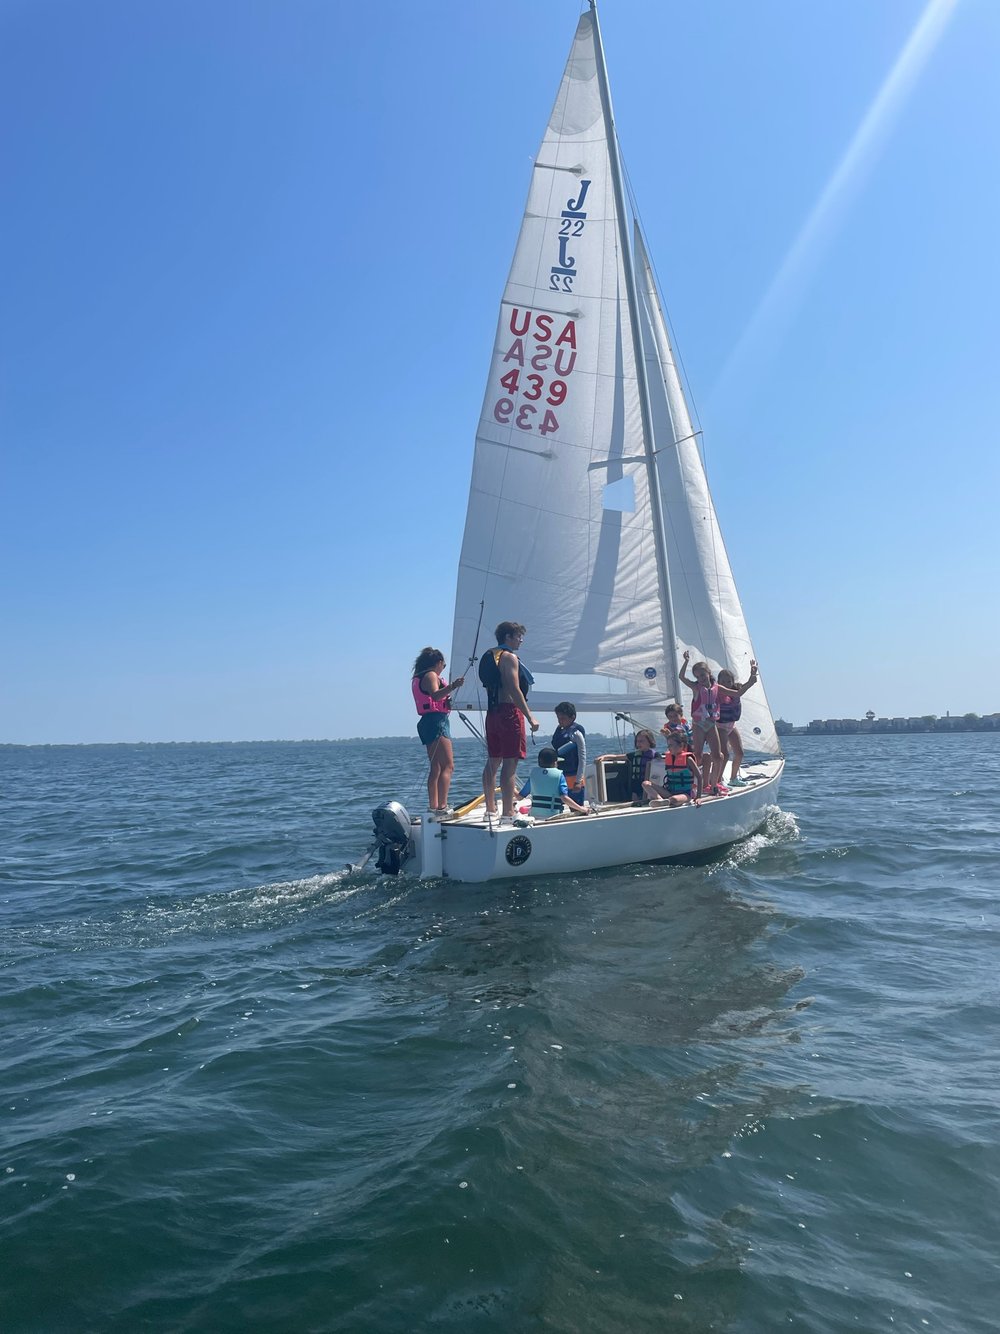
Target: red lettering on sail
x=543 y=328
x=568 y=335
x=513 y=322
x=515 y=352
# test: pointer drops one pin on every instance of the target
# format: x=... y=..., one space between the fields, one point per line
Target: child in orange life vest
x=682 y=776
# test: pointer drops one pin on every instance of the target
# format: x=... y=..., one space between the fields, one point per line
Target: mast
x=645 y=410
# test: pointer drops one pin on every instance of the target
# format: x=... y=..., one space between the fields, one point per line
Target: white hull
x=472 y=852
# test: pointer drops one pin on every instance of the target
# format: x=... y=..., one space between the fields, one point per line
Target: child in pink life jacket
x=705 y=722
x=730 y=709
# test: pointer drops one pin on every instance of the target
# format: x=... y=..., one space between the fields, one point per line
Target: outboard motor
x=392 y=836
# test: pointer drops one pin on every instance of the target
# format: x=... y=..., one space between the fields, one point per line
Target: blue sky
x=252 y=259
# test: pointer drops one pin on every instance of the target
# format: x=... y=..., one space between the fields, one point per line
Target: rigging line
x=471 y=726
x=720 y=559
x=681 y=440
x=688 y=397
x=475 y=642
x=686 y=385
x=687 y=394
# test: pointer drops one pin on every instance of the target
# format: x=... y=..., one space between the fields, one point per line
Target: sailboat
x=590 y=519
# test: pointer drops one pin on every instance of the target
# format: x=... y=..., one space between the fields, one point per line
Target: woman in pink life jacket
x=431 y=695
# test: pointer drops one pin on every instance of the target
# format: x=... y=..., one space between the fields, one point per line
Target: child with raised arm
x=730 y=709
x=676 y=722
x=705 y=720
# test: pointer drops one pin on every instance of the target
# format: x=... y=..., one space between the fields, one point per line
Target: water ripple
x=244 y=1088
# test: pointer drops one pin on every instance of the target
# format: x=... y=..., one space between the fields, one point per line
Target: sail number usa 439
x=536 y=368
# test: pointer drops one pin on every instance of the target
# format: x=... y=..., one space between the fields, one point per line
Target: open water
x=244 y=1091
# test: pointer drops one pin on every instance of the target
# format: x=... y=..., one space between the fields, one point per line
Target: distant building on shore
x=966 y=722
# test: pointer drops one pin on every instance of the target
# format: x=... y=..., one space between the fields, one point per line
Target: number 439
x=503 y=410
x=535 y=383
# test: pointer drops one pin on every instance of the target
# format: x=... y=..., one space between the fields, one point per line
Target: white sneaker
x=506 y=822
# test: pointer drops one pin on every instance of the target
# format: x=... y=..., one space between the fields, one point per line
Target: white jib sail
x=708 y=617
x=558 y=533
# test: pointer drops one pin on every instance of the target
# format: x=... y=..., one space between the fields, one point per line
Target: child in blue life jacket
x=569 y=741
x=682 y=779
x=548 y=789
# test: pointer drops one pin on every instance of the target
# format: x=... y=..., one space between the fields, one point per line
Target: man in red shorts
x=506 y=683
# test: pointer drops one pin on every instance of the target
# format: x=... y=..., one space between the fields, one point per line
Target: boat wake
x=779 y=828
x=149 y=924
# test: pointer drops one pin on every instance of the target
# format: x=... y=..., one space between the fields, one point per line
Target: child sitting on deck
x=682 y=776
x=639 y=761
x=548 y=789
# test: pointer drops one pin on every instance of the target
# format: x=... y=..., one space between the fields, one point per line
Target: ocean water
x=243 y=1090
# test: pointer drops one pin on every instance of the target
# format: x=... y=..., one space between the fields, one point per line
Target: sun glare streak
x=786 y=289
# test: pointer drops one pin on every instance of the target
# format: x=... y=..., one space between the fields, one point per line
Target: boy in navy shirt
x=569 y=741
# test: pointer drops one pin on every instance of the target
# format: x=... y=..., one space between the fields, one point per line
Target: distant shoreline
x=826 y=727
x=967 y=722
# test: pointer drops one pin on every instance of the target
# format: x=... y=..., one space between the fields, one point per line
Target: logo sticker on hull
x=518 y=850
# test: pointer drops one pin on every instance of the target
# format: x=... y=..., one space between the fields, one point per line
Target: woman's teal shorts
x=430 y=726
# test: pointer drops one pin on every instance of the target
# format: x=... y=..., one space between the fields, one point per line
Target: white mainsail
x=561 y=531
x=560 y=439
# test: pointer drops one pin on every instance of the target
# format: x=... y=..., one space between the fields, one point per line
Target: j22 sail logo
x=573 y=219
